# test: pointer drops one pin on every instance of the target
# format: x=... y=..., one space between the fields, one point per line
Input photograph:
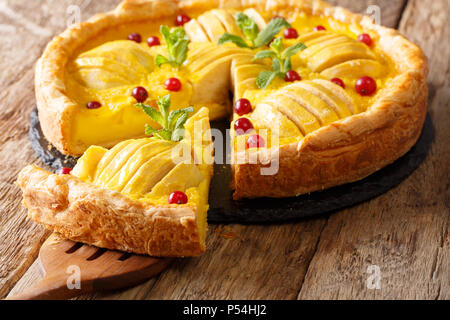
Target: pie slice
x=119 y=198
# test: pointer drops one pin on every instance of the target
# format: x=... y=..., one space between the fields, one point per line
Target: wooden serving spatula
x=64 y=262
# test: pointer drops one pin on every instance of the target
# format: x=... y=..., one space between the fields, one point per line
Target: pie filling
x=109 y=69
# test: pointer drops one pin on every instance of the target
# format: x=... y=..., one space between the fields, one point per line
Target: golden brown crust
x=84 y=212
x=345 y=151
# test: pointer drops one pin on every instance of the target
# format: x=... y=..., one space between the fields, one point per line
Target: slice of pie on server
x=118 y=198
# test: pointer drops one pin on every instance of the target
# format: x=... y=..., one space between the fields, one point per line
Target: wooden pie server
x=64 y=262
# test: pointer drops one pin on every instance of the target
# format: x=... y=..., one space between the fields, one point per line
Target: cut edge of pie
x=344 y=151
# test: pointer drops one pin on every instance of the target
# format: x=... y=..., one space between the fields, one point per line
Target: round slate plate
x=224 y=210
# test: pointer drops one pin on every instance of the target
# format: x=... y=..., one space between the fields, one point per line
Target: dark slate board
x=224 y=210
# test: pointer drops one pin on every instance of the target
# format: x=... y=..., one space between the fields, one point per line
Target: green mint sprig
x=281 y=61
x=177 y=46
x=251 y=31
x=172 y=122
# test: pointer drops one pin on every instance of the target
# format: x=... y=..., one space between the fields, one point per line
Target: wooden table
x=402 y=236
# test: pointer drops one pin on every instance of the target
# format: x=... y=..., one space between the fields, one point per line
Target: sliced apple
x=111 y=65
x=259 y=20
x=212 y=25
x=241 y=87
x=246 y=71
x=180 y=178
x=324 y=38
x=200 y=61
x=123 y=51
x=244 y=58
x=316 y=48
x=228 y=21
x=310 y=36
x=87 y=164
x=310 y=102
x=337 y=54
x=199 y=50
x=104 y=174
x=265 y=116
x=99 y=79
x=355 y=69
x=149 y=174
x=328 y=97
x=109 y=156
x=340 y=93
x=195 y=31
x=136 y=160
x=305 y=121
x=128 y=73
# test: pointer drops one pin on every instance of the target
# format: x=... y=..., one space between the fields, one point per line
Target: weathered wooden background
x=404 y=232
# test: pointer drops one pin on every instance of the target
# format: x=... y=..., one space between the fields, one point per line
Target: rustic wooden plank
x=406 y=231
x=390 y=10
x=25 y=28
x=260 y=262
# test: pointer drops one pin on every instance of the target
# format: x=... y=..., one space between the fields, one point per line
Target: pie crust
x=84 y=212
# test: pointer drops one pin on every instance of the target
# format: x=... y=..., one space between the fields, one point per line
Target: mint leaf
x=248 y=26
x=228 y=37
x=164 y=106
x=160 y=60
x=175 y=115
x=163 y=134
x=149 y=130
x=177 y=46
x=265 y=54
x=172 y=122
x=289 y=52
x=272 y=29
x=276 y=65
x=265 y=78
x=152 y=113
x=287 y=64
x=277 y=46
x=177 y=135
x=179 y=51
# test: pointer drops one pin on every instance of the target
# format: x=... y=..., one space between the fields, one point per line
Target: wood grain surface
x=403 y=234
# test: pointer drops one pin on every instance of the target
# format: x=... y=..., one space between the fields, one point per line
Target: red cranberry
x=255 y=141
x=290 y=33
x=173 y=84
x=242 y=106
x=136 y=37
x=242 y=126
x=365 y=38
x=366 y=86
x=182 y=19
x=93 y=105
x=153 y=41
x=320 y=28
x=178 y=197
x=339 y=82
x=292 y=76
x=66 y=170
x=140 y=94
